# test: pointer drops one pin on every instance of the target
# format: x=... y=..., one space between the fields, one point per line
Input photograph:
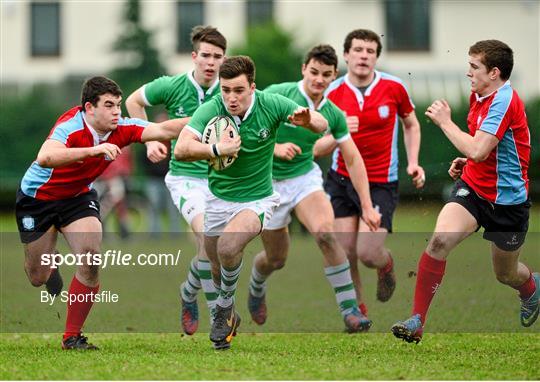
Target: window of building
x=259 y=11
x=188 y=14
x=408 y=25
x=45 y=29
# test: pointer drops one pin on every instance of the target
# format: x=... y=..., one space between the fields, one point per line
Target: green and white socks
x=339 y=277
x=257 y=283
x=229 y=283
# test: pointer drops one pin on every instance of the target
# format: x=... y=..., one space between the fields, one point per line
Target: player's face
x=104 y=116
x=361 y=58
x=207 y=62
x=317 y=77
x=481 y=79
x=237 y=93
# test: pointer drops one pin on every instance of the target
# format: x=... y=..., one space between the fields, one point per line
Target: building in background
x=425 y=41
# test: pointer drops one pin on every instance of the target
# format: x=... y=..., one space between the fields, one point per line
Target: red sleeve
x=404 y=102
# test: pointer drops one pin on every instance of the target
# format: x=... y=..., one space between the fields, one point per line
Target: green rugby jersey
x=249 y=178
x=305 y=139
x=181 y=95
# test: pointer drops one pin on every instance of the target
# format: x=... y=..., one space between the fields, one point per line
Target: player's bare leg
x=510 y=271
x=346 y=230
x=315 y=212
x=230 y=246
x=372 y=253
x=83 y=236
x=272 y=258
x=37 y=273
x=454 y=225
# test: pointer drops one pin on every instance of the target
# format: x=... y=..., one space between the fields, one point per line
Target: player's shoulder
x=281 y=88
x=335 y=85
x=71 y=120
x=391 y=79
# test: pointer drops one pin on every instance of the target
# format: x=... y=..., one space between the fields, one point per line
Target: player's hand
x=439 y=112
x=372 y=218
x=227 y=145
x=156 y=151
x=109 y=150
x=300 y=117
x=456 y=168
x=352 y=123
x=418 y=175
x=286 y=151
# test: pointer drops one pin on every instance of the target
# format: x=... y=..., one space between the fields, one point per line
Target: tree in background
x=272 y=50
x=139 y=61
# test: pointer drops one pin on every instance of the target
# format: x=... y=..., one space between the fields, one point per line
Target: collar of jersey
x=480 y=99
x=308 y=99
x=199 y=88
x=236 y=118
x=358 y=93
x=94 y=133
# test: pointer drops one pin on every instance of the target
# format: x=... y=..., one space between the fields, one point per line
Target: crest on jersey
x=384 y=111
x=180 y=112
x=28 y=223
x=264 y=134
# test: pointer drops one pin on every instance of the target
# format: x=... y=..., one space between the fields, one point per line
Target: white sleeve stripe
x=196 y=132
x=344 y=138
x=143 y=95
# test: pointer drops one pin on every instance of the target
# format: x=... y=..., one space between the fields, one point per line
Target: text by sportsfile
x=110 y=257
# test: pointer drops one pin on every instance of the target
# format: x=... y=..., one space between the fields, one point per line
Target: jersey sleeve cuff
x=343 y=138
x=143 y=96
x=194 y=131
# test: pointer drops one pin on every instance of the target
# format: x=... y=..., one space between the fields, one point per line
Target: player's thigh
x=84 y=235
x=315 y=212
x=239 y=231
x=34 y=251
x=369 y=241
x=454 y=224
x=346 y=231
x=276 y=243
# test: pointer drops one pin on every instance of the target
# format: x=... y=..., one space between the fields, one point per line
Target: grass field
x=473 y=330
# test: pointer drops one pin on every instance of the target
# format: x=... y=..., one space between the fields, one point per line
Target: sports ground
x=472 y=332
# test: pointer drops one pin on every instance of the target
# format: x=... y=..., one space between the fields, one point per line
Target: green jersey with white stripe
x=249 y=178
x=303 y=163
x=181 y=95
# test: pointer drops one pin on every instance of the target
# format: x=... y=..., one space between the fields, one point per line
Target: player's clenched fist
x=110 y=150
x=286 y=151
x=456 y=169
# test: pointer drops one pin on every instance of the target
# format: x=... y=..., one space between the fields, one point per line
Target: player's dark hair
x=324 y=54
x=362 y=34
x=235 y=66
x=209 y=35
x=95 y=87
x=495 y=54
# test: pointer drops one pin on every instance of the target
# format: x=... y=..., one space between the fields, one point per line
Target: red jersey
x=76 y=178
x=502 y=178
x=377 y=111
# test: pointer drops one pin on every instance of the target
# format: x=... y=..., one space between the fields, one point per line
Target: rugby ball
x=212 y=134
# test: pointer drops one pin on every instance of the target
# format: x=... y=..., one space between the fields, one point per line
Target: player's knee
x=36 y=277
x=439 y=243
x=278 y=263
x=505 y=277
x=368 y=256
x=325 y=238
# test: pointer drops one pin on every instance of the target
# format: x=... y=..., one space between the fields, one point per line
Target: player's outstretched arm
x=155 y=151
x=309 y=119
x=165 y=130
x=54 y=153
x=324 y=146
x=411 y=137
x=189 y=147
x=357 y=170
x=476 y=148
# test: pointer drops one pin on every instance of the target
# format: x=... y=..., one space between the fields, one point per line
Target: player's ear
x=252 y=87
x=88 y=106
x=193 y=55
